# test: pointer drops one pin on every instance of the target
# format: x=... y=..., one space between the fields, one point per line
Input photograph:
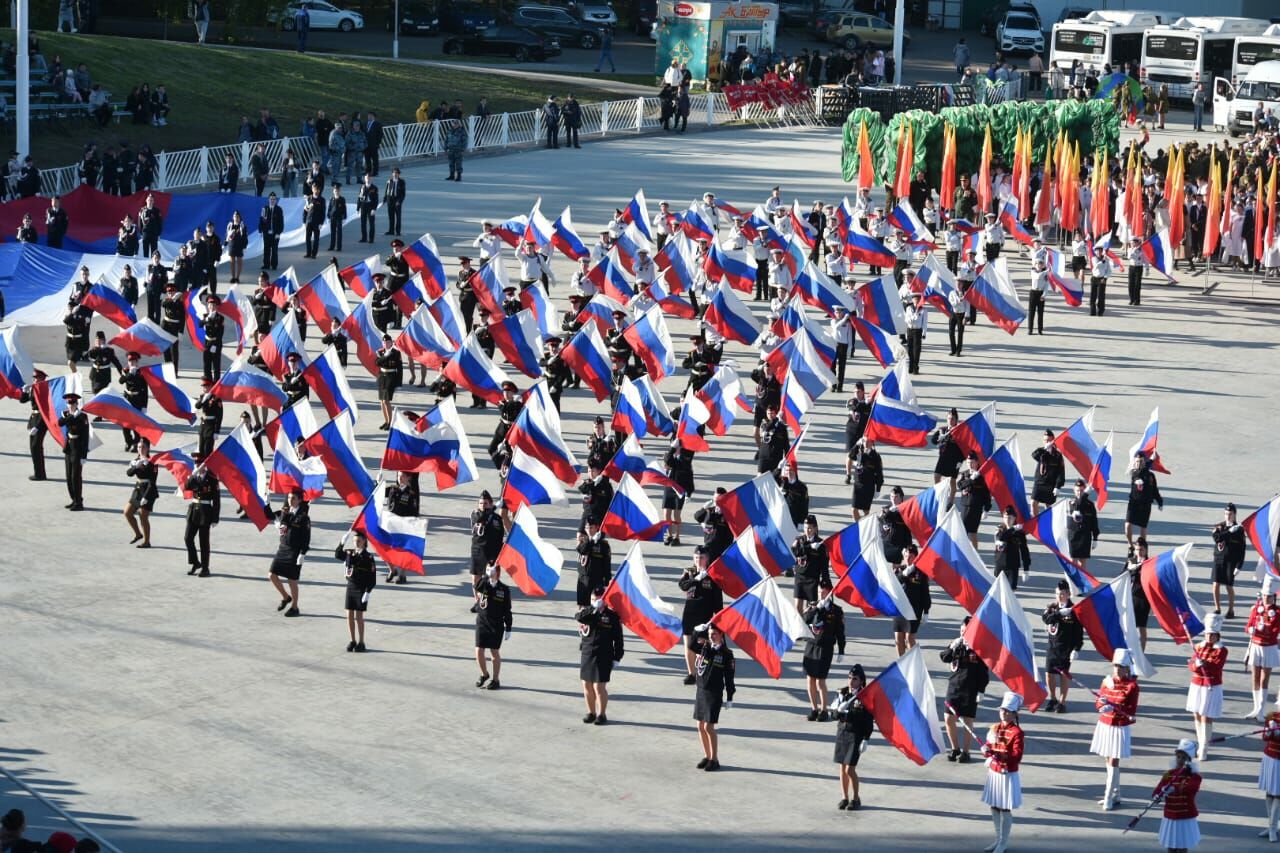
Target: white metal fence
x=401 y=142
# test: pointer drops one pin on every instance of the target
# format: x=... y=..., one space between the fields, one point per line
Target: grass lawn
x=211 y=87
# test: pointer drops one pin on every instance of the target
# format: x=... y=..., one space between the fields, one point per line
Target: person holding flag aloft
x=1050 y=474
x=1269 y=774
x=703 y=599
x=1003 y=751
x=973 y=497
x=601 y=645
x=1204 y=696
x=1012 y=553
x=1117 y=704
x=294 y=524
x=854 y=729
x=362 y=577
x=1066 y=638
x=868 y=476
x=714 y=671
x=1143 y=492
x=144 y=495
x=915 y=584
x=969 y=678
x=1141 y=605
x=826 y=623
x=1082 y=526
x=1228 y=558
x=813 y=565
x=493 y=623
x=1263 y=655
x=1179 y=829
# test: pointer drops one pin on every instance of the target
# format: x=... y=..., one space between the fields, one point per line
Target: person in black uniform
x=393 y=198
x=1082 y=525
x=75 y=424
x=1143 y=492
x=101 y=359
x=703 y=599
x=77 y=321
x=969 y=678
x=151 y=221
x=466 y=293
x=264 y=308
x=271 y=226
x=1012 y=554
x=157 y=279
x=1065 y=639
x=508 y=410
x=337 y=339
x=398 y=272
x=698 y=363
x=293 y=383
x=362 y=577
x=214 y=327
x=27 y=230
x=493 y=623
x=402 y=499
x=510 y=302
x=617 y=345
x=601 y=445
x=486 y=535
x=595 y=561
x=294 y=524
x=601 y=646
x=915 y=584
x=716 y=535
x=973 y=497
x=856 y=725
x=382 y=306
x=37 y=429
x=1141 y=605
x=390 y=375
x=173 y=319
x=894 y=533
x=313 y=218
x=813 y=565
x=203 y=512
x=210 y=409
x=597 y=494
x=129 y=286
x=237 y=241
x=1228 y=559
x=950 y=454
x=774 y=441
x=336 y=212
x=795 y=493
x=144 y=495
x=367 y=204
x=136 y=393
x=56 y=223
x=553 y=367
x=826 y=623
x=868 y=477
x=678 y=462
x=484 y=338
x=714 y=668
x=859 y=409
x=1050 y=474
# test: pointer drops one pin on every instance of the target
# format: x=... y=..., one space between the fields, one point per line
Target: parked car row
x=574 y=22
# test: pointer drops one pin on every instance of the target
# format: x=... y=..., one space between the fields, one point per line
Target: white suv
x=1019 y=33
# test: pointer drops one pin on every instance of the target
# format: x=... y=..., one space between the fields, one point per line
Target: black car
x=464 y=18
x=517 y=42
x=417 y=19
x=993 y=16
x=558 y=23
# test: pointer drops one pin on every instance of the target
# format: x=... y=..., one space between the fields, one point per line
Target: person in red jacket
x=1269 y=774
x=1003 y=750
x=1204 y=696
x=1117 y=705
x=1180 y=831
x=1263 y=654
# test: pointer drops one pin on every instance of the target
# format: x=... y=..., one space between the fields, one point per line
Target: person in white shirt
x=964 y=280
x=736 y=239
x=913 y=309
x=993 y=237
x=780 y=273
x=774 y=202
x=579 y=283
x=673 y=76
x=645 y=270
x=955 y=245
x=1136 y=262
x=601 y=248
x=862 y=207
x=1035 y=296
x=661 y=224
x=489 y=243
x=842 y=331
x=1079 y=256
x=708 y=210
x=1099 y=271
x=901 y=249
x=761 y=253
x=616 y=225
x=532 y=267
x=955 y=322
x=1038 y=251
x=930 y=215
x=836 y=266
x=879 y=228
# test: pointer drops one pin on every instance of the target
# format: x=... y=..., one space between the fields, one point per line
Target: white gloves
x=924 y=618
x=728 y=704
x=506 y=635
x=839 y=658
x=1074 y=656
x=699 y=629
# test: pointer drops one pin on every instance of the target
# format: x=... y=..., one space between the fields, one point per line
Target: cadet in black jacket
x=703 y=599
x=950 y=454
x=969 y=678
x=1082 y=525
x=75 y=452
x=601 y=445
x=362 y=577
x=826 y=622
x=214 y=326
x=37 y=429
x=774 y=441
x=595 y=561
x=294 y=524
x=856 y=725
x=597 y=494
x=313 y=211
x=1050 y=474
x=203 y=512
x=77 y=320
x=698 y=362
x=714 y=669
x=813 y=565
x=151 y=221
x=1143 y=492
x=173 y=319
x=56 y=223
x=367 y=205
x=678 y=461
x=868 y=477
x=486 y=535
x=600 y=630
x=1066 y=638
x=264 y=308
x=390 y=376
x=856 y=424
x=973 y=497
x=403 y=499
x=144 y=494
x=493 y=623
x=1228 y=558
x=271 y=226
x=393 y=198
x=553 y=367
x=210 y=409
x=337 y=213
x=135 y=391
x=1012 y=553
x=293 y=383
x=794 y=492
x=337 y=339
x=509 y=409
x=894 y=533
x=101 y=359
x=716 y=536
x=915 y=584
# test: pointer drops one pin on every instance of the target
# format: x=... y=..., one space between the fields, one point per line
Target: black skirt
x=75 y=352
x=671 y=499
x=355 y=599
x=285 y=565
x=851 y=436
x=1141 y=611
x=144 y=496
x=1078 y=264
x=1044 y=494
x=595 y=668
x=1138 y=513
x=966 y=704
x=807 y=590
x=818 y=667
x=848 y=747
x=1224 y=573
x=387 y=384
x=906 y=626
x=487 y=638
x=99 y=378
x=971 y=517
x=863 y=496
x=1054 y=661
x=706 y=707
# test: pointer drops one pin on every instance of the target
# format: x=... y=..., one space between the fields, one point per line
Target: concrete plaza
x=172 y=713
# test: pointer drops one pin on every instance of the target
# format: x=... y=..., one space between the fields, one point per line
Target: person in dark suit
x=55 y=223
x=229 y=177
x=1197 y=218
x=337 y=215
x=271 y=226
x=76 y=451
x=373 y=140
x=367 y=205
x=151 y=221
x=313 y=219
x=393 y=198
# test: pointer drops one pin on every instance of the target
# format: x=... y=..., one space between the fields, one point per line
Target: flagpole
x=899 y=22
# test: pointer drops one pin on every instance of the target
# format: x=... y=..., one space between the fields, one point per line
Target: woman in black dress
x=826 y=624
x=493 y=623
x=915 y=584
x=1141 y=606
x=703 y=599
x=714 y=672
x=856 y=725
x=101 y=359
x=144 y=494
x=1143 y=492
x=601 y=647
x=129 y=286
x=868 y=477
x=679 y=464
x=237 y=241
x=969 y=677
x=390 y=375
x=362 y=577
x=294 y=524
x=974 y=498
x=127 y=238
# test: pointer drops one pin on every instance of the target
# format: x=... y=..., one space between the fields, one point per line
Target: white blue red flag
x=588 y=357
x=532 y=563
x=530 y=483
x=882 y=305
x=1000 y=636
x=1003 y=473
x=335 y=444
x=819 y=290
x=651 y=341
x=1263 y=527
x=448 y=450
x=145 y=338
x=1050 y=527
x=111 y=405
x=285 y=285
x=288 y=472
x=162 y=381
x=864 y=577
x=630 y=459
x=1147 y=443
x=424 y=341
x=759 y=505
x=1106 y=613
x=328 y=380
x=535 y=301
x=800 y=226
x=952 y=562
x=359 y=276
x=284 y=339
x=922 y=511
x=105 y=300
x=739 y=568
x=1011 y=219
x=520 y=340
x=599 y=310
x=631 y=595
x=401 y=541
x=244 y=383
x=297 y=421
x=423 y=259
x=676 y=260
x=764 y=624
x=905 y=220
x=691 y=427
x=905 y=708
x=15 y=365
x=885 y=348
x=977 y=433
x=721 y=397
x=1158 y=251
x=488 y=284
x=795 y=404
x=472 y=369
x=193 y=309
x=993 y=294
x=935 y=284
x=538 y=229
x=862 y=247
x=448 y=315
x=1061 y=278
x=179 y=464
x=696 y=226
x=1080 y=448
x=731 y=318
x=537 y=432
x=364 y=335
x=238 y=467
x=324 y=299
x=896 y=418
x=676 y=306
x=799 y=356
x=565 y=237
x=632 y=515
x=637 y=213
x=736 y=266
x=641 y=410
x=609 y=275
x=1164 y=580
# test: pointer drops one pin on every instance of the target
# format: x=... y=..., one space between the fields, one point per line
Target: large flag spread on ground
x=588 y=357
x=1084 y=453
x=288 y=472
x=111 y=405
x=162 y=381
x=537 y=432
x=401 y=541
x=739 y=568
x=244 y=383
x=651 y=341
x=1147 y=443
x=883 y=347
x=758 y=504
x=472 y=369
x=904 y=219
x=735 y=266
x=283 y=340
x=296 y=420
x=179 y=464
x=324 y=299
x=1158 y=251
x=922 y=511
x=731 y=318
x=764 y=624
x=144 y=337
x=799 y=356
x=864 y=577
x=935 y=284
x=335 y=443
x=882 y=305
x=631 y=515
x=328 y=380
x=15 y=365
x=896 y=418
x=630 y=459
x=950 y=559
x=1263 y=527
x=532 y=563
x=530 y=483
x=364 y=335
x=1003 y=474
x=520 y=340
x=565 y=237
x=994 y=295
x=1164 y=580
x=1000 y=636
x=902 y=701
x=1050 y=527
x=237 y=466
x=1107 y=616
x=423 y=257
x=1062 y=280
x=631 y=595
x=640 y=409
x=104 y=299
x=862 y=247
x=977 y=433
x=722 y=398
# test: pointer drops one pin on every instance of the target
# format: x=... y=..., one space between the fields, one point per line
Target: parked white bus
x=1250 y=50
x=1192 y=50
x=1234 y=105
x=1102 y=38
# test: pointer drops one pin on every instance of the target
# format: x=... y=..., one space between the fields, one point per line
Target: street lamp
x=24 y=79
x=395 y=31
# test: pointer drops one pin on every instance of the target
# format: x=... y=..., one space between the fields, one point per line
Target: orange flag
x=1259 y=234
x=947 y=191
x=1023 y=187
x=1224 y=227
x=906 y=160
x=1271 y=207
x=1176 y=197
x=1044 y=209
x=1100 y=215
x=866 y=168
x=1213 y=216
x=984 y=176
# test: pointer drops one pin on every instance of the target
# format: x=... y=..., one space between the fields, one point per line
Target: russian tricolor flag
x=1079 y=446
x=1000 y=636
x=637 y=213
x=511 y=232
x=520 y=341
x=364 y=335
x=1164 y=580
x=1106 y=614
x=1003 y=473
x=112 y=406
x=610 y=277
x=283 y=340
x=630 y=460
x=800 y=226
x=288 y=472
x=471 y=369
x=110 y=303
x=532 y=564
x=994 y=295
x=861 y=246
x=819 y=290
x=565 y=237
x=882 y=305
x=791 y=318
x=799 y=356
x=237 y=466
x=758 y=224
x=676 y=306
x=1050 y=527
x=530 y=483
x=15 y=365
x=1061 y=278
x=283 y=287
x=905 y=220
x=721 y=398
x=763 y=624
x=448 y=315
x=244 y=383
x=324 y=299
x=450 y=450
x=237 y=308
x=631 y=515
x=935 y=284
x=488 y=283
x=641 y=409
x=423 y=257
x=696 y=226
x=951 y=561
x=731 y=318
x=535 y=300
x=795 y=404
x=1263 y=527
x=977 y=433
x=162 y=381
x=651 y=341
x=905 y=708
x=676 y=260
x=193 y=301
x=693 y=416
x=538 y=229
x=599 y=310
x=922 y=511
x=1159 y=252
x=329 y=382
x=335 y=443
x=297 y=421
x=145 y=338
x=537 y=431
x=896 y=418
x=588 y=357
x=51 y=402
x=1011 y=219
x=864 y=577
x=179 y=464
x=400 y=541
x=883 y=347
x=732 y=265
x=1147 y=444
x=359 y=276
x=631 y=595
x=759 y=505
x=739 y=568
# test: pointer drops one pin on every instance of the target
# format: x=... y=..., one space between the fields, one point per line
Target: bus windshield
x=1079 y=41
x=1172 y=47
x=1250 y=53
